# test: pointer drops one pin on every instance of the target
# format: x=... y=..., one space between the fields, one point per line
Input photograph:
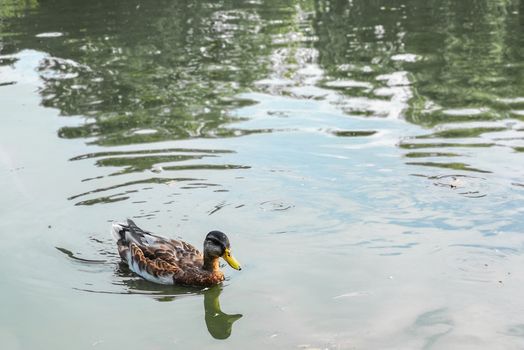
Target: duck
x=170 y=261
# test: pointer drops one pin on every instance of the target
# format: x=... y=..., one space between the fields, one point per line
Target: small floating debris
x=455 y=182
x=275 y=205
x=467 y=185
x=452 y=181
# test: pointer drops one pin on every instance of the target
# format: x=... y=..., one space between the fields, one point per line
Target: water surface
x=364 y=157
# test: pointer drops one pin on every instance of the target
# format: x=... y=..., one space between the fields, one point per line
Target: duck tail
x=118 y=230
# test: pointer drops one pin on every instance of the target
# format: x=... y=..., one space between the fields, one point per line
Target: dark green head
x=216 y=245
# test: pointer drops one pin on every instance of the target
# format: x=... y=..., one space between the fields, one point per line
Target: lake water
x=365 y=158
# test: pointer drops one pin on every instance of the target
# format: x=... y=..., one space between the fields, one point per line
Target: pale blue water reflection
x=365 y=159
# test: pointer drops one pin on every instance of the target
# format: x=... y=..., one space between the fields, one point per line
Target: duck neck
x=211 y=264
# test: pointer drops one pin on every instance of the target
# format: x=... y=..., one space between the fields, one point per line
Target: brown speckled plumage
x=165 y=261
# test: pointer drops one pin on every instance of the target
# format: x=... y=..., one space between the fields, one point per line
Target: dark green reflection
x=144 y=71
x=449 y=62
x=464 y=59
x=454 y=166
x=461 y=133
x=153 y=180
x=406 y=145
x=353 y=133
x=430 y=154
x=174 y=68
x=219 y=324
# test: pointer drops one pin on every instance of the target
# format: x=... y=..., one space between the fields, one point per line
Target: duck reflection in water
x=218 y=323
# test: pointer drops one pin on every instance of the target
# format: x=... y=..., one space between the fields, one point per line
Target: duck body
x=170 y=261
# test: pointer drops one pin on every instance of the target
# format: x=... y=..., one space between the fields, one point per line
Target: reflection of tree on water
x=460 y=62
x=148 y=72
x=173 y=70
x=218 y=323
x=457 y=54
x=144 y=72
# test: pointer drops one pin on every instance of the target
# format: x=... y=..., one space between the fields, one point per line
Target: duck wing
x=155 y=258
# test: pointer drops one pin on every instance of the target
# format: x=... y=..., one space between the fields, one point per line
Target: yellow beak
x=231 y=260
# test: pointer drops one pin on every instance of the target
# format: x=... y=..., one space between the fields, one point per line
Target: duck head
x=216 y=245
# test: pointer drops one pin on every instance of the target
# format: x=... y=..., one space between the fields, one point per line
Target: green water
x=365 y=158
